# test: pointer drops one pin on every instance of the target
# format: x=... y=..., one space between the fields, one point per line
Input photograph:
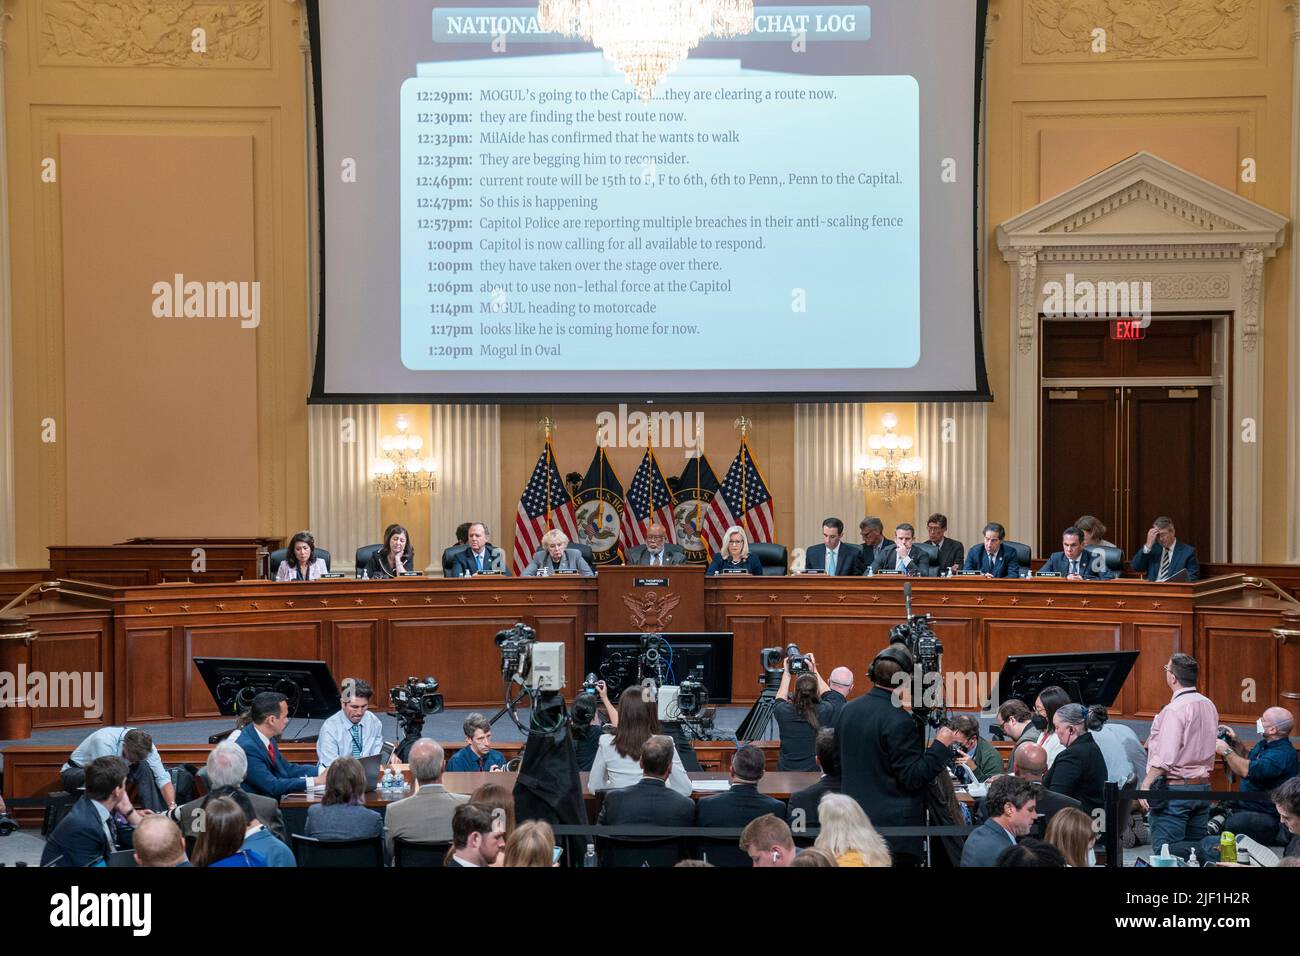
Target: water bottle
x=1227 y=847
x=589 y=858
x=1191 y=859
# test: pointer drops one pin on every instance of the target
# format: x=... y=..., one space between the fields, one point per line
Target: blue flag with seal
x=598 y=508
x=691 y=499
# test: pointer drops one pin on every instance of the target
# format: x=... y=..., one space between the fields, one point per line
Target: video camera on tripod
x=412 y=702
x=538 y=670
x=917 y=636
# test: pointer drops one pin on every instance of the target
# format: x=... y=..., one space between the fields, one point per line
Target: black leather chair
x=364 y=554
x=772 y=556
x=1114 y=559
x=1021 y=552
x=281 y=555
x=449 y=556
x=722 y=851
x=931 y=551
x=638 y=851
x=412 y=853
x=311 y=852
x=585 y=550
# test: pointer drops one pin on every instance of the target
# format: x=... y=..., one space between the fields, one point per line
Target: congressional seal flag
x=648 y=501
x=598 y=510
x=691 y=501
x=742 y=500
x=545 y=504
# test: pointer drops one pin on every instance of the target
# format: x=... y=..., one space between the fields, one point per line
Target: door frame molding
x=1202 y=248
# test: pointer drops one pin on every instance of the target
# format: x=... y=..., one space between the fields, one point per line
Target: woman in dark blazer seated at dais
x=395 y=557
x=735 y=555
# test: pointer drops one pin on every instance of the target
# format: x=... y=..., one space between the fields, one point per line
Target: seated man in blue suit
x=87 y=834
x=1162 y=563
x=990 y=558
x=480 y=557
x=833 y=555
x=1012 y=806
x=269 y=774
x=1072 y=561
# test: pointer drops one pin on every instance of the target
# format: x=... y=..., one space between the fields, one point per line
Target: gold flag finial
x=744 y=424
x=547 y=423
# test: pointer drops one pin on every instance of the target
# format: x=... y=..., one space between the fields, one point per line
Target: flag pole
x=744 y=424
x=548 y=424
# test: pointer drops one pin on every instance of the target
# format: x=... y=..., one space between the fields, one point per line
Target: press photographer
x=884 y=761
x=1267 y=765
x=801 y=713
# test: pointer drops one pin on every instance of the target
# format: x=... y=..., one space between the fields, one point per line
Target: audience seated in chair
x=425 y=816
x=650 y=802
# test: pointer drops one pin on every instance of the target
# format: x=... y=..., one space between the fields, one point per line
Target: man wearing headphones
x=884 y=763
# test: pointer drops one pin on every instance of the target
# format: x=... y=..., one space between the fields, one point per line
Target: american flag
x=742 y=500
x=649 y=501
x=531 y=520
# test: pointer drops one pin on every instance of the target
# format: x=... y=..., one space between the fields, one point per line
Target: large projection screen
x=790 y=217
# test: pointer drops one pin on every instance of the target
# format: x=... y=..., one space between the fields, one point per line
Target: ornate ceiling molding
x=113 y=33
x=1056 y=30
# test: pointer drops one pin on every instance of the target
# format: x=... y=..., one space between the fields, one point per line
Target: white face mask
x=1092 y=857
x=1259 y=727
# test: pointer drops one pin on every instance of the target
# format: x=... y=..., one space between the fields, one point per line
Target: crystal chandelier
x=646 y=39
x=401 y=472
x=888 y=471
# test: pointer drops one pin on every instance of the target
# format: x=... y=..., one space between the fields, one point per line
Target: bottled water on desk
x=589 y=858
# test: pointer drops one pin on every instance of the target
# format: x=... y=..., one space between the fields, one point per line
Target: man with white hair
x=1264 y=768
x=227 y=764
x=840 y=686
x=425 y=816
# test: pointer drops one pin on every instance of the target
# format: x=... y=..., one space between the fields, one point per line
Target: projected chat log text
x=544 y=219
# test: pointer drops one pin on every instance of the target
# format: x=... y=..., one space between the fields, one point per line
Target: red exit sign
x=1126 y=330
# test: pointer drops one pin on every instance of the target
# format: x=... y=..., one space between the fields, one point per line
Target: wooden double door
x=1127 y=455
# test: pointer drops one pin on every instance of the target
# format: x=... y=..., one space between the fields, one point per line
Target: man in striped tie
x=354 y=731
x=1170 y=558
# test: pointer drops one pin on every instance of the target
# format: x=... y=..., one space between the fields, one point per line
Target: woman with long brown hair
x=1071 y=832
x=799 y=716
x=533 y=844
x=618 y=755
x=219 y=841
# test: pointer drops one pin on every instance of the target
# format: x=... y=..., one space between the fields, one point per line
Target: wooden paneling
x=71 y=654
x=131 y=565
x=147 y=668
x=14 y=581
x=1080 y=450
x=1239 y=672
x=387 y=631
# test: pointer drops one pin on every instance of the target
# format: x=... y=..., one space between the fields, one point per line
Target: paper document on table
x=710 y=786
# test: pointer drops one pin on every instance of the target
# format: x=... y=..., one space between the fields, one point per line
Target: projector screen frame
x=318 y=394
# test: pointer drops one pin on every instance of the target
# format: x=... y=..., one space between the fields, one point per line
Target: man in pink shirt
x=1180 y=756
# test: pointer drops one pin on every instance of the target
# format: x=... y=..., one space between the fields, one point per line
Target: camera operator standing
x=800 y=715
x=884 y=763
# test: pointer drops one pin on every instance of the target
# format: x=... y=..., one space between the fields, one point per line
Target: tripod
x=758 y=721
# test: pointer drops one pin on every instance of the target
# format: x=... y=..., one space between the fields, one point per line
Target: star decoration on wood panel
x=840 y=597
x=185 y=608
x=532 y=599
x=288 y=604
x=497 y=598
x=1015 y=600
x=221 y=605
x=253 y=604
x=1155 y=605
x=1087 y=603
x=149 y=608
x=324 y=603
x=979 y=599
x=1120 y=603
x=875 y=599
x=392 y=600
x=463 y=599
x=428 y=600
x=563 y=597
x=1051 y=601
x=359 y=602
x=945 y=599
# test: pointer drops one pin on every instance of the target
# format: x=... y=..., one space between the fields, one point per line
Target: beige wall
x=1205 y=98
x=168 y=161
